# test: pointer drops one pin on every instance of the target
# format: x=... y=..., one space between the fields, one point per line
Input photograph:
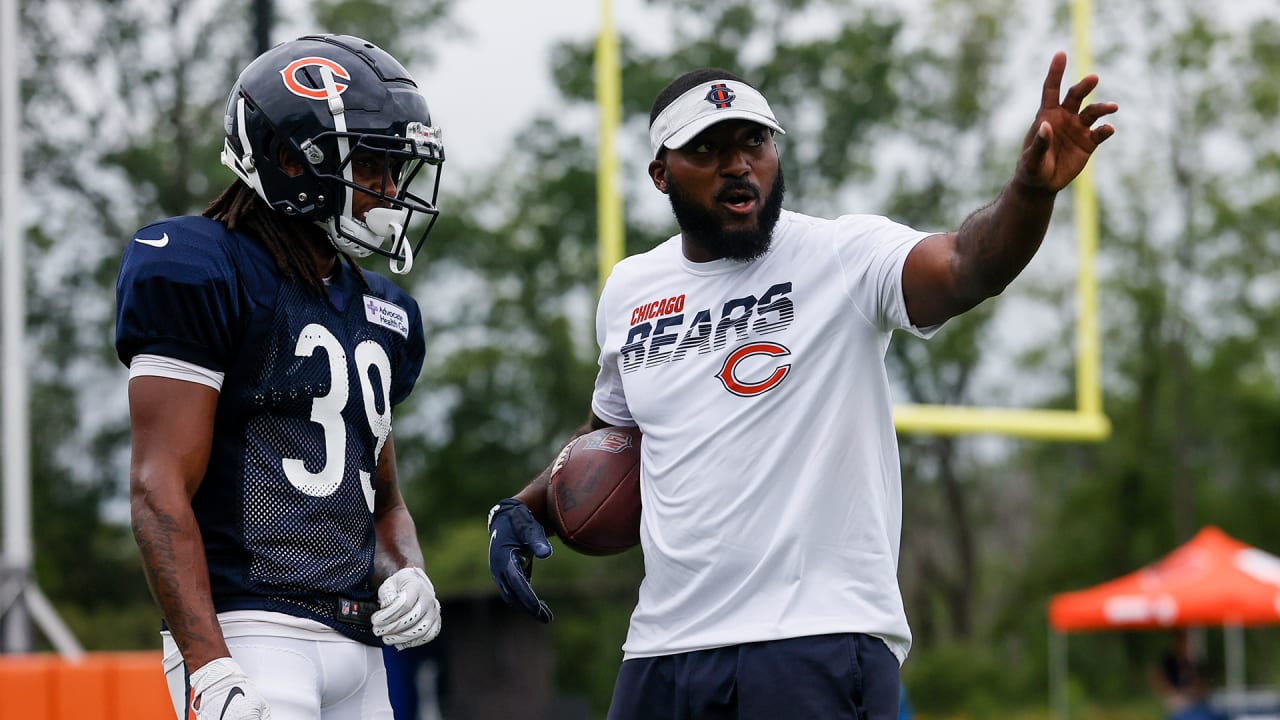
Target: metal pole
x=608 y=79
x=16 y=446
x=1085 y=199
x=262 y=19
x=46 y=617
x=22 y=601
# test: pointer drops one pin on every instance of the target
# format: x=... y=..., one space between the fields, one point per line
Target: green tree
x=1189 y=243
x=113 y=135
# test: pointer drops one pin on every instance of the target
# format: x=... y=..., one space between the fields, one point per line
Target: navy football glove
x=515 y=538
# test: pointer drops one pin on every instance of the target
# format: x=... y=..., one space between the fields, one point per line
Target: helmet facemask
x=399 y=160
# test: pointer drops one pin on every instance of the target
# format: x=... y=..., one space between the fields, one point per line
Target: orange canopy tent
x=1213 y=579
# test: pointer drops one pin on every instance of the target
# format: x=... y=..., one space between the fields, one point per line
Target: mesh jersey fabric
x=285 y=507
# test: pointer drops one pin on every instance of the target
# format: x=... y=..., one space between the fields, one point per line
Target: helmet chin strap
x=404 y=252
x=339 y=112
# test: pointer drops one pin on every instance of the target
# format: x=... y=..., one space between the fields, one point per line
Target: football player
x=264 y=364
x=770 y=478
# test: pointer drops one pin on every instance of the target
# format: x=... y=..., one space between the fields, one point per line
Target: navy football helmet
x=322 y=99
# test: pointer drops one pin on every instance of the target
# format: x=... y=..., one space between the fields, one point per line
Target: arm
x=516 y=537
x=534 y=495
x=409 y=611
x=949 y=273
x=172 y=428
x=397 y=535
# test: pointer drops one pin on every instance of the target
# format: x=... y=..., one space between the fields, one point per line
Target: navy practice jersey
x=286 y=505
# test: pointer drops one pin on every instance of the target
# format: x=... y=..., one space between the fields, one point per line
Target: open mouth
x=739 y=199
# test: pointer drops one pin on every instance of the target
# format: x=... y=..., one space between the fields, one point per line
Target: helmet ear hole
x=289 y=161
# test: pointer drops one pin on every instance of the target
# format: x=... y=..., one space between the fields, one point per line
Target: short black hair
x=684 y=83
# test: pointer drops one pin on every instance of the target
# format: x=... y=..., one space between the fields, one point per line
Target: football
x=593 y=498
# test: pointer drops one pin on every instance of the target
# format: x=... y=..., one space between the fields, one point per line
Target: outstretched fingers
x=1092 y=113
x=1071 y=103
x=1098 y=134
x=1078 y=92
x=1053 y=81
x=519 y=588
x=1059 y=143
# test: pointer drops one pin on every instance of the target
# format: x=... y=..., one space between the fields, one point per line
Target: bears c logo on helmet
x=291 y=81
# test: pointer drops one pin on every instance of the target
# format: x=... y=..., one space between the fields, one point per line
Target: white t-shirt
x=770 y=475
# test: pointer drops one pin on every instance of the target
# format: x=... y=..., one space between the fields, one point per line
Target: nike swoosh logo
x=230 y=696
x=154 y=242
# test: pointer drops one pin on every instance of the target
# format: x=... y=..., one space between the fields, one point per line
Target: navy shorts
x=849 y=676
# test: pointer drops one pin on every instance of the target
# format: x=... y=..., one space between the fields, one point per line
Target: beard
x=701 y=225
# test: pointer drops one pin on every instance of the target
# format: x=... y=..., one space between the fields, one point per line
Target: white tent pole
x=1233 y=651
x=1058 y=674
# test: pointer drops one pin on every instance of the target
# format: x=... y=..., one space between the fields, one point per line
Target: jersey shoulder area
x=180 y=246
x=177 y=293
x=856 y=222
x=864 y=224
x=851 y=236
x=181 y=231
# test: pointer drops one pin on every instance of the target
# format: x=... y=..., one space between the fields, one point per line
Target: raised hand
x=1062 y=138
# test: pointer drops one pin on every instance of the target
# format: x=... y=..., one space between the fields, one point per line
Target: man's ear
x=658 y=173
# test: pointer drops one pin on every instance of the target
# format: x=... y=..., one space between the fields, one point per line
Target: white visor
x=709 y=103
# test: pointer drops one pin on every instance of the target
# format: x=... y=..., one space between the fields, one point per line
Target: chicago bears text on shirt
x=660 y=334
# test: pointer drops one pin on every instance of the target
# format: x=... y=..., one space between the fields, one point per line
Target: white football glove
x=221 y=691
x=410 y=614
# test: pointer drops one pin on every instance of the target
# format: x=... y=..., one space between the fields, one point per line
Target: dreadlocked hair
x=240 y=208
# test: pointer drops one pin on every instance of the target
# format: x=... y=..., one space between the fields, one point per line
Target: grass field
x=1137 y=711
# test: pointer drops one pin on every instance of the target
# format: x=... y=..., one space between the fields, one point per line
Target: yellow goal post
x=1085 y=423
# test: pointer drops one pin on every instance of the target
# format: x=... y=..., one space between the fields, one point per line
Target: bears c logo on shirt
x=290 y=74
x=745 y=388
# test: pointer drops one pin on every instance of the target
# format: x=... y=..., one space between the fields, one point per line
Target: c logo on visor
x=721 y=96
x=341 y=77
